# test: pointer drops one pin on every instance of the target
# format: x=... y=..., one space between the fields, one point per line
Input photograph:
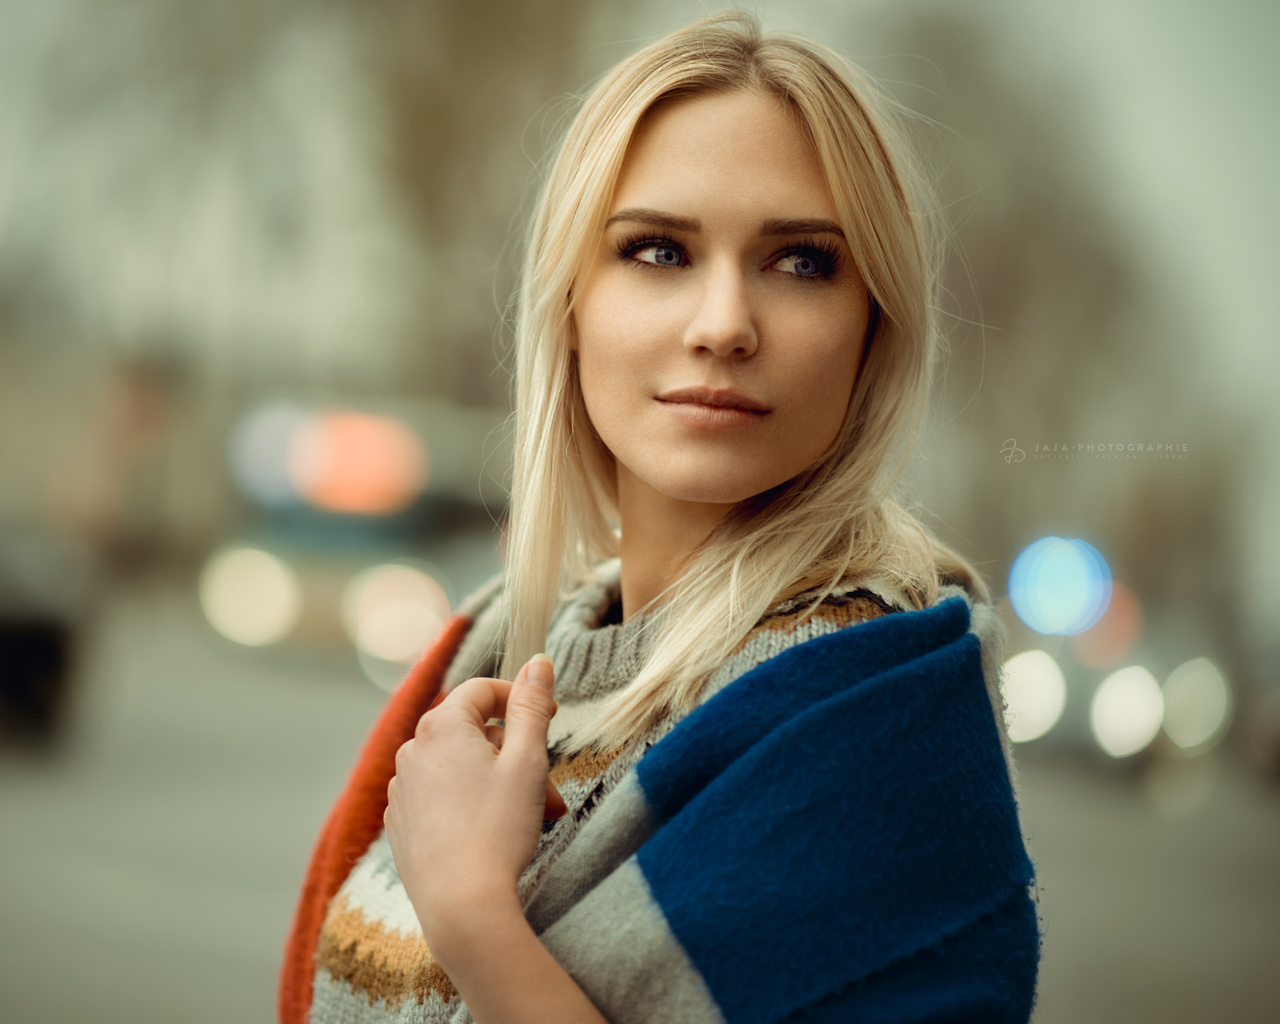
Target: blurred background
x=255 y=269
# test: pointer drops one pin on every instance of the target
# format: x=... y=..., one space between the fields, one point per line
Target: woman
x=777 y=784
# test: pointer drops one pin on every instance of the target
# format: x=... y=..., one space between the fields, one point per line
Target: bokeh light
x=357 y=463
x=1197 y=705
x=1115 y=636
x=1059 y=585
x=258 y=452
x=392 y=612
x=1035 y=693
x=1126 y=711
x=250 y=596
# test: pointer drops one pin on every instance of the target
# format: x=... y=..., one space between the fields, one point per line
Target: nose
x=723 y=323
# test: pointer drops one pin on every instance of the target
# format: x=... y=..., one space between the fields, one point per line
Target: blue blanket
x=832 y=837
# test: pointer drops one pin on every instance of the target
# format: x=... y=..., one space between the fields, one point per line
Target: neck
x=659 y=536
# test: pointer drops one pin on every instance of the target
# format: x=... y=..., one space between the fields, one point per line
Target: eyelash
x=826 y=253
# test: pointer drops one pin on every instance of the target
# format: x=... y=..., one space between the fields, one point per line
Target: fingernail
x=541 y=672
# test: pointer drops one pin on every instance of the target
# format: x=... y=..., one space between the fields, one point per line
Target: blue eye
x=650 y=251
x=661 y=255
x=810 y=261
x=801 y=266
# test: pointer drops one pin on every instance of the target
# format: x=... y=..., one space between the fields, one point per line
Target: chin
x=717 y=492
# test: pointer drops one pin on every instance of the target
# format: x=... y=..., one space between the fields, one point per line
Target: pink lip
x=715 y=398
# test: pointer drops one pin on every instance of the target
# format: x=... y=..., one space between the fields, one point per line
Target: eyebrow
x=813 y=226
x=658 y=219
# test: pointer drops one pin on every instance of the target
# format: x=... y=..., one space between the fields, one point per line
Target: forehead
x=743 y=151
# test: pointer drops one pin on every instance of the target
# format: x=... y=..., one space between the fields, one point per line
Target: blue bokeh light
x=1060 y=585
x=258 y=453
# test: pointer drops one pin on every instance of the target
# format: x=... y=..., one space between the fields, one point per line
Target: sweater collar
x=592 y=659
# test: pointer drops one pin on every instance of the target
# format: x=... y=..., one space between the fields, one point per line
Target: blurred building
x=249 y=249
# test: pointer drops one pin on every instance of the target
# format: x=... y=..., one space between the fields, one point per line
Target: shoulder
x=808 y=616
x=814 y=613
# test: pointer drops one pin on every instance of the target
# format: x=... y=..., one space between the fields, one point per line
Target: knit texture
x=356 y=818
x=927 y=839
x=836 y=818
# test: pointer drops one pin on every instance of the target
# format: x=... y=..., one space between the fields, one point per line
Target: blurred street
x=257 y=264
x=151 y=874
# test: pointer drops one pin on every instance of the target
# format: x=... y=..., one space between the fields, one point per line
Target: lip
x=713 y=398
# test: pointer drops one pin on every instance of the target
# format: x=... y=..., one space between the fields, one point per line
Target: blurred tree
x=1060 y=335
x=290 y=193
x=461 y=86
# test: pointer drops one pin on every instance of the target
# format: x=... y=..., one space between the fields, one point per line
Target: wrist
x=502 y=970
x=464 y=923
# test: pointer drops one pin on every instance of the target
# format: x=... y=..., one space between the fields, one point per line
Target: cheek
x=602 y=375
x=617 y=341
x=630 y=311
x=595 y=356
x=823 y=359
x=821 y=414
x=824 y=390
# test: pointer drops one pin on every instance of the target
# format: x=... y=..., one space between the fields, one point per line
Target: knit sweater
x=586 y=891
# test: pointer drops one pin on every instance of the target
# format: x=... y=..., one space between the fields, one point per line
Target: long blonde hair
x=838 y=519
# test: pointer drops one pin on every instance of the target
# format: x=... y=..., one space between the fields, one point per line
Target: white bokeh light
x=1197 y=704
x=1126 y=712
x=398 y=630
x=1035 y=693
x=250 y=596
x=392 y=612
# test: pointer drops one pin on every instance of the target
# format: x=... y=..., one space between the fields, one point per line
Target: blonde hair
x=838 y=519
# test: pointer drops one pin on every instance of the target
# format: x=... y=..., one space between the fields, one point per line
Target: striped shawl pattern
x=831 y=835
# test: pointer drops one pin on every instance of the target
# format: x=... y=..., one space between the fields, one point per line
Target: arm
x=503 y=972
x=463 y=817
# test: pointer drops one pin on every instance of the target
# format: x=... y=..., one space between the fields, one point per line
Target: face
x=720 y=326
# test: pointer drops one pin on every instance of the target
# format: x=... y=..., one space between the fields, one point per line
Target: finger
x=553 y=805
x=478 y=700
x=529 y=710
x=493 y=733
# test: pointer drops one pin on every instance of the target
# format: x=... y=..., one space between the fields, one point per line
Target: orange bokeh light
x=1115 y=635
x=357 y=463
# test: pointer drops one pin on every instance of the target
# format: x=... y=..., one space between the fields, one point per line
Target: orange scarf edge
x=356 y=818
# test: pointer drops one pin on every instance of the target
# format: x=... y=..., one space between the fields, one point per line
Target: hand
x=466 y=806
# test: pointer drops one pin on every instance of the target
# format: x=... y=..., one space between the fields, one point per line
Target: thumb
x=530 y=706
